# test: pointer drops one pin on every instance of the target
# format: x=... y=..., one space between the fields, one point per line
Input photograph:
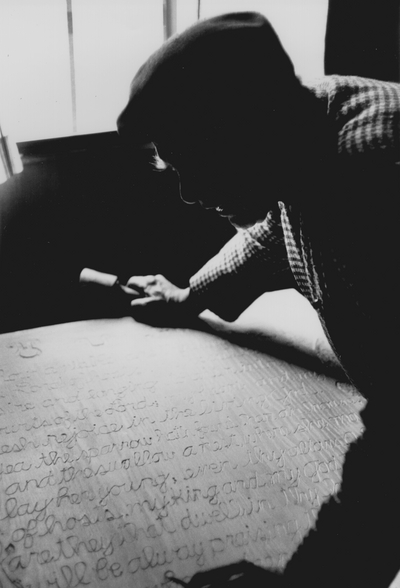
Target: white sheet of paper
x=128 y=451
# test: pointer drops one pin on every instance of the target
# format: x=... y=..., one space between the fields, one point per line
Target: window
x=35 y=97
x=110 y=40
x=58 y=53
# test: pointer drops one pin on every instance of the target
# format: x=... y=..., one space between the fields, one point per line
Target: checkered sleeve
x=252 y=262
x=366 y=114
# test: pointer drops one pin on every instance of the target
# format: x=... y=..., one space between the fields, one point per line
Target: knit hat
x=229 y=64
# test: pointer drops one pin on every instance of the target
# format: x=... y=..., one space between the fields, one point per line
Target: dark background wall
x=362 y=38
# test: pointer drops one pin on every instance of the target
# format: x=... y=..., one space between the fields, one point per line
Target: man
x=309 y=175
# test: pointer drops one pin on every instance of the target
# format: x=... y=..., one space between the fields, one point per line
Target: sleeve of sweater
x=254 y=261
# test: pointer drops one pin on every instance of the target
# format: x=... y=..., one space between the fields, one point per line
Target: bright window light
x=112 y=38
x=187 y=13
x=35 y=81
x=109 y=41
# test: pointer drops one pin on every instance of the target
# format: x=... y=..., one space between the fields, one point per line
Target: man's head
x=217 y=102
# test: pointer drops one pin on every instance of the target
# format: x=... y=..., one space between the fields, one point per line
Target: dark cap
x=229 y=64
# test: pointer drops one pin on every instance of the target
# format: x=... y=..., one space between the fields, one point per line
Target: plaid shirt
x=276 y=253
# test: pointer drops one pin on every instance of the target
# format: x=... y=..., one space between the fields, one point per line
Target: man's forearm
x=251 y=263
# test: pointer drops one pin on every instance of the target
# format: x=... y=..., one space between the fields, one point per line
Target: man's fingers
x=159 y=302
x=130 y=291
x=144 y=301
x=141 y=282
x=150 y=286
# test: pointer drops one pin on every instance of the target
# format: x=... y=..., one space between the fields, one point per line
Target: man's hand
x=160 y=302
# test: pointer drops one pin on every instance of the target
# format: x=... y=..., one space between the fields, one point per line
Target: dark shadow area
x=363 y=39
x=86 y=201
x=272 y=345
